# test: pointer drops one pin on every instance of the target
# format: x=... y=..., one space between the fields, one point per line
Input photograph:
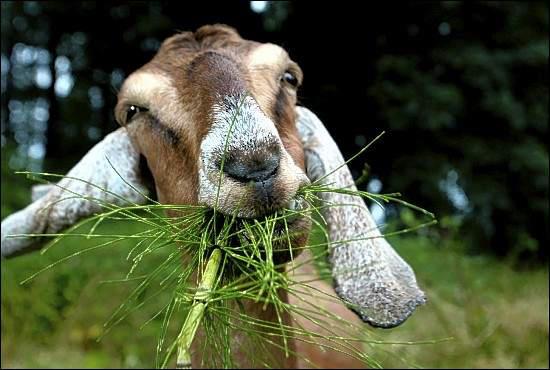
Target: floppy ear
x=368 y=274
x=56 y=207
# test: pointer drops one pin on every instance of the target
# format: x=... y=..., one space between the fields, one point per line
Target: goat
x=175 y=113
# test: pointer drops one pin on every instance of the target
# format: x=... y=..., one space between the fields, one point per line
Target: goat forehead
x=267 y=54
x=172 y=93
x=144 y=85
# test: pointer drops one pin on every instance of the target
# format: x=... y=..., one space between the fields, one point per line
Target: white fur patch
x=267 y=54
x=238 y=126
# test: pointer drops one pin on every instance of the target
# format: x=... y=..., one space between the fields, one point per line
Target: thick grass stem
x=194 y=317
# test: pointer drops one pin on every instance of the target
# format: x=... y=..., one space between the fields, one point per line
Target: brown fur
x=179 y=86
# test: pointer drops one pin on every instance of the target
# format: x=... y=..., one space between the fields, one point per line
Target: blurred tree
x=475 y=105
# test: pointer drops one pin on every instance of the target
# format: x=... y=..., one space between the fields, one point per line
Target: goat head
x=176 y=112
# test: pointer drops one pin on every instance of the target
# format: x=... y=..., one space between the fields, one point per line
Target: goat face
x=214 y=116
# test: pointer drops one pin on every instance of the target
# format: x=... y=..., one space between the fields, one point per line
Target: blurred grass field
x=492 y=315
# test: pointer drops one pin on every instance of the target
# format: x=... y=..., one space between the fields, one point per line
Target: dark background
x=461 y=89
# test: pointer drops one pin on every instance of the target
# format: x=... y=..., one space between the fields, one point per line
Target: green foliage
x=65 y=308
x=479 y=96
x=494 y=315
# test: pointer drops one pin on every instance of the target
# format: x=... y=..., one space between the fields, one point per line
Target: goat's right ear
x=109 y=173
x=368 y=274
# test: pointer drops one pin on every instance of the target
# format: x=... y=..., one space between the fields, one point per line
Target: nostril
x=252 y=168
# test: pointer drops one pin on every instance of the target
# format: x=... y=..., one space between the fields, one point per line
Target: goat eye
x=132 y=111
x=290 y=79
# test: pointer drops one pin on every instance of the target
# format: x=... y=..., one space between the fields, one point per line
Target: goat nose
x=256 y=167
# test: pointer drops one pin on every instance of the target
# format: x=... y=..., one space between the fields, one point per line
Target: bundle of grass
x=243 y=290
x=227 y=262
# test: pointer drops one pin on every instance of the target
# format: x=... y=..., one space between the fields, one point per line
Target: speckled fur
x=51 y=214
x=368 y=274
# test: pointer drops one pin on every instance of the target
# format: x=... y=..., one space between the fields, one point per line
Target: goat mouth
x=293 y=210
x=287 y=232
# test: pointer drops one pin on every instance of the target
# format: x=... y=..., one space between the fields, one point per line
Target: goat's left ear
x=368 y=274
x=90 y=182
